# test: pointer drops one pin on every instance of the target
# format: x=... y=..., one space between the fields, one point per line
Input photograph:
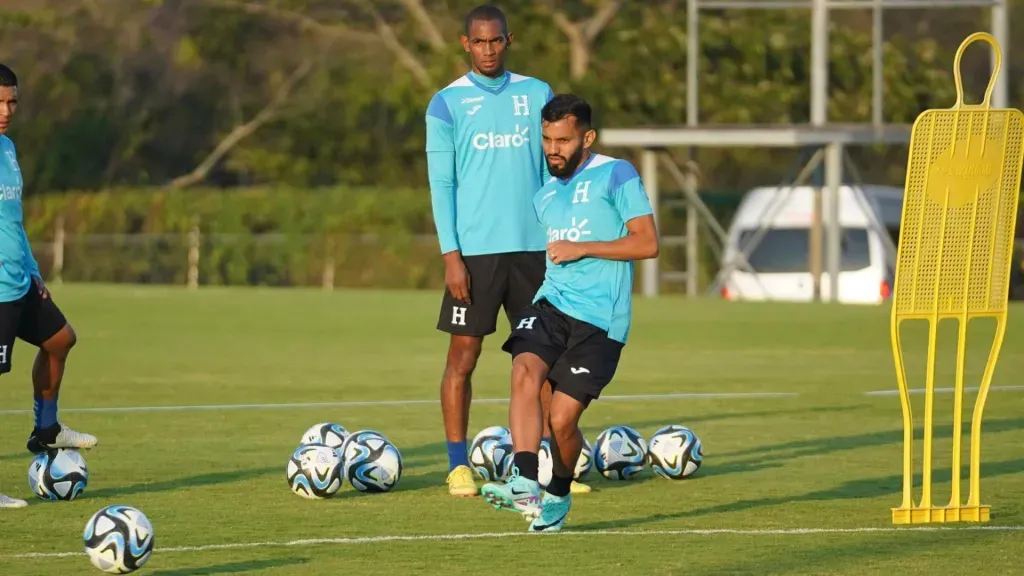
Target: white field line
x=568 y=533
x=434 y=402
x=431 y=402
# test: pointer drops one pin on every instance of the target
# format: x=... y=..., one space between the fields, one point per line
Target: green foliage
x=262 y=236
x=140 y=93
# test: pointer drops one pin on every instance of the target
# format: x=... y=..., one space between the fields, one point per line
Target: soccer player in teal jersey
x=598 y=220
x=27 y=310
x=485 y=162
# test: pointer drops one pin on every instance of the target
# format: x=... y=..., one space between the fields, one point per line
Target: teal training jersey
x=592 y=206
x=17 y=266
x=485 y=161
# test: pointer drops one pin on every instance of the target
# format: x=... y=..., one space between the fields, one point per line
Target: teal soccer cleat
x=518 y=494
x=554 y=511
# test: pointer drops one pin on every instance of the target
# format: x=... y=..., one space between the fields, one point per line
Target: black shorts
x=508 y=281
x=581 y=358
x=31 y=318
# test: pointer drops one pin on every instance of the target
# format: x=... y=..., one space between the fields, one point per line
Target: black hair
x=7 y=77
x=565 y=105
x=486 y=12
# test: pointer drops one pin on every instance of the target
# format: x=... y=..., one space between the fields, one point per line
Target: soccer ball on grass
x=118 y=539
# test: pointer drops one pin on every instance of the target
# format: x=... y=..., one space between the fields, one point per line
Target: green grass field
x=795 y=483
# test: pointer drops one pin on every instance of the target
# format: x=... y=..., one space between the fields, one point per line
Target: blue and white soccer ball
x=59 y=474
x=620 y=453
x=372 y=462
x=584 y=463
x=328 y=433
x=118 y=539
x=314 y=471
x=490 y=453
x=675 y=452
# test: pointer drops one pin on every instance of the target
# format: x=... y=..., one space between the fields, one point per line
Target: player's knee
x=563 y=423
x=528 y=374
x=61 y=343
x=462 y=356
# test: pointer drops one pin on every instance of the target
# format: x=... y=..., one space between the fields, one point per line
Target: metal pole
x=819 y=62
x=877 y=63
x=692 y=237
x=1001 y=32
x=819 y=117
x=692 y=119
x=649 y=177
x=833 y=231
x=692 y=61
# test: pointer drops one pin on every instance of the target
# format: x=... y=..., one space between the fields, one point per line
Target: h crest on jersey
x=579 y=196
x=521 y=104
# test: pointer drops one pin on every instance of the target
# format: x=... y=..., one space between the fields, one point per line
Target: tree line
x=315 y=93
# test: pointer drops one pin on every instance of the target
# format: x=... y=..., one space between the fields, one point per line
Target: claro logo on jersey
x=574 y=233
x=489 y=140
x=10 y=192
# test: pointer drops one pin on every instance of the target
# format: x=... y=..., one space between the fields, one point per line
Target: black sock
x=528 y=463
x=559 y=486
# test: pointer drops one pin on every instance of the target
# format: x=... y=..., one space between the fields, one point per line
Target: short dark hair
x=486 y=12
x=7 y=77
x=564 y=105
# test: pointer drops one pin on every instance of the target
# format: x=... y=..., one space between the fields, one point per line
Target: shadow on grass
x=773 y=456
x=861 y=554
x=692 y=420
x=209 y=479
x=854 y=489
x=232 y=568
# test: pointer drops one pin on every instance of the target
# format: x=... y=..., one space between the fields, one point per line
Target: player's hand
x=456 y=277
x=563 y=251
x=41 y=287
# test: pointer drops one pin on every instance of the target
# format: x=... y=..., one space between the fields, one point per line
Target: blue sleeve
x=628 y=193
x=441 y=172
x=30 y=263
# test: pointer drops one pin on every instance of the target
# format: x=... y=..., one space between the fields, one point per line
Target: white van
x=780 y=254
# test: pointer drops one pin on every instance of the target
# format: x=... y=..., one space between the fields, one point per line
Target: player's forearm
x=629 y=247
x=441 y=169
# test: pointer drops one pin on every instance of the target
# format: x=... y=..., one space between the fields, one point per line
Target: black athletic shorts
x=508 y=281
x=581 y=358
x=30 y=318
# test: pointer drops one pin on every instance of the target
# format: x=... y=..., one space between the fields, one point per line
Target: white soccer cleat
x=8 y=502
x=64 y=438
x=69 y=438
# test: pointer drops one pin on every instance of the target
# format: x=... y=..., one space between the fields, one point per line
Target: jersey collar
x=579 y=168
x=495 y=89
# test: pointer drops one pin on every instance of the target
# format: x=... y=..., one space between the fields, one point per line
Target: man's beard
x=569 y=167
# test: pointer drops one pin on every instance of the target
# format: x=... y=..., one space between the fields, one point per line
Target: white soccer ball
x=620 y=453
x=675 y=452
x=584 y=463
x=59 y=474
x=118 y=539
x=372 y=462
x=490 y=453
x=314 y=471
x=327 y=433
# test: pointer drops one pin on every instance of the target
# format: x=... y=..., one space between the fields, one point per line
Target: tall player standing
x=26 y=309
x=599 y=221
x=485 y=163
